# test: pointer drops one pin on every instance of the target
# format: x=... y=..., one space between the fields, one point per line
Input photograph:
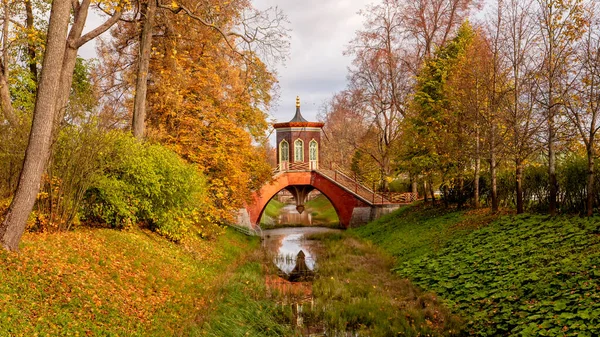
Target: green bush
x=146 y=183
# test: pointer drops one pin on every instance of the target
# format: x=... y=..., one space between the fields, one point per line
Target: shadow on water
x=295 y=261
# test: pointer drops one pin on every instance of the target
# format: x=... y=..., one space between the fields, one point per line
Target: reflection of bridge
x=354 y=203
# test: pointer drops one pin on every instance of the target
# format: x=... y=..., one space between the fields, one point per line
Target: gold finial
x=297 y=101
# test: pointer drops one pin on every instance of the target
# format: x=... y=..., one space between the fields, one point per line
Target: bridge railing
x=351 y=182
x=360 y=187
x=291 y=166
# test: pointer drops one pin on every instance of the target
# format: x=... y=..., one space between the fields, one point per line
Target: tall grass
x=356 y=292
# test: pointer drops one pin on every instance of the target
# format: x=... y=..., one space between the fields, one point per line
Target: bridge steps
x=354 y=187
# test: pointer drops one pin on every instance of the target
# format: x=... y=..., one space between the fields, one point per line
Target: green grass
x=107 y=282
x=243 y=307
x=273 y=208
x=322 y=211
x=527 y=275
x=355 y=291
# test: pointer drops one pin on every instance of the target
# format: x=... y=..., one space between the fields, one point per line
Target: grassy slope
x=107 y=282
x=526 y=275
x=322 y=211
x=273 y=208
x=244 y=306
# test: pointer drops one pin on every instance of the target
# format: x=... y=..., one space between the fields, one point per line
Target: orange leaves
x=204 y=106
x=104 y=281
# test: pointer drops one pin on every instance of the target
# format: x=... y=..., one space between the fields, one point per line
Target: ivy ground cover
x=527 y=275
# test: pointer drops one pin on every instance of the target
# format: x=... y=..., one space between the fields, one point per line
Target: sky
x=316 y=68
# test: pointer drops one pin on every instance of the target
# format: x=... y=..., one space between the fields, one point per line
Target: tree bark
x=38 y=149
x=590 y=180
x=519 y=185
x=30 y=46
x=477 y=154
x=425 y=198
x=552 y=166
x=5 y=101
x=431 y=191
x=141 y=85
x=493 y=173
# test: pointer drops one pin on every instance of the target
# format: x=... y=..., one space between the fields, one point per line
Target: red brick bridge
x=354 y=203
x=298 y=171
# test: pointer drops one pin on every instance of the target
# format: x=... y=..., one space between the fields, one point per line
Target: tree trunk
x=494 y=180
x=431 y=191
x=590 y=182
x=414 y=185
x=552 y=168
x=519 y=185
x=141 y=85
x=477 y=165
x=425 y=199
x=38 y=148
x=30 y=46
x=6 y=103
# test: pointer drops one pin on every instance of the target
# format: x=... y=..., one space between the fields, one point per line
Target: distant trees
x=522 y=80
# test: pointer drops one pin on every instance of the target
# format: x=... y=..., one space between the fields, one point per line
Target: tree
x=244 y=30
x=561 y=24
x=380 y=83
x=431 y=23
x=583 y=106
x=52 y=96
x=518 y=44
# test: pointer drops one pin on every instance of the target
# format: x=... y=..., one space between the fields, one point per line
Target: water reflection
x=289 y=215
x=285 y=244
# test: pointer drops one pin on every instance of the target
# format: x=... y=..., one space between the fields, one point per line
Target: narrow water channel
x=284 y=244
x=295 y=258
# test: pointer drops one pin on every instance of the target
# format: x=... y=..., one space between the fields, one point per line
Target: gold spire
x=297 y=101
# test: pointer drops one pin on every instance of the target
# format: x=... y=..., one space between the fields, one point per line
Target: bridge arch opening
x=281 y=207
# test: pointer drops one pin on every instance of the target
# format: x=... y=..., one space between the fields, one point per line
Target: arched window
x=313 y=149
x=284 y=151
x=298 y=150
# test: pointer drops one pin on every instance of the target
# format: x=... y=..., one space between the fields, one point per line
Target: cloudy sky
x=321 y=30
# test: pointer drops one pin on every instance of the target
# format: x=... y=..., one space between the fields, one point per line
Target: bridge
x=354 y=203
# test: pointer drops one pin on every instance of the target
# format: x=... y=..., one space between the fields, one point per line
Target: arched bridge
x=354 y=203
x=298 y=171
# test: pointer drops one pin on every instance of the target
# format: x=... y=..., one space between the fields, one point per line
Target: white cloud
x=317 y=68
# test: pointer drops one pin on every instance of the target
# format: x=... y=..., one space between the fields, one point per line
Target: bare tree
x=561 y=25
x=519 y=37
x=583 y=105
x=431 y=23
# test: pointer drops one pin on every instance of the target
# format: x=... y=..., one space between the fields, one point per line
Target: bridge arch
x=262 y=212
x=343 y=201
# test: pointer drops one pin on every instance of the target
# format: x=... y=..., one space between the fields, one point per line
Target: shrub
x=149 y=184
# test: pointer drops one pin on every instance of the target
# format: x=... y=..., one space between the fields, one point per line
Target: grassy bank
x=527 y=275
x=273 y=208
x=322 y=211
x=244 y=306
x=355 y=291
x=107 y=282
